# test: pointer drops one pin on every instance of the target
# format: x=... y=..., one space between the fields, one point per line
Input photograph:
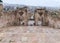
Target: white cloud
x=52 y=3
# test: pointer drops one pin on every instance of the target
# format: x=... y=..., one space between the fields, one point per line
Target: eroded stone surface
x=29 y=34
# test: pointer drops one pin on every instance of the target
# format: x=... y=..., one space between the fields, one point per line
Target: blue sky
x=49 y=3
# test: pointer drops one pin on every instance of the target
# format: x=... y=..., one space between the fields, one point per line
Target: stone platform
x=29 y=34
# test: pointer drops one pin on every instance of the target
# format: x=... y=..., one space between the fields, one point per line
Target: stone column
x=45 y=19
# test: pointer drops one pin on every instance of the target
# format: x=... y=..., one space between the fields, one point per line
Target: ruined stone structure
x=1 y=6
x=41 y=15
x=21 y=16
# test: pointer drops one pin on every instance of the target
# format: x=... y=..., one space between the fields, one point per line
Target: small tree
x=0 y=0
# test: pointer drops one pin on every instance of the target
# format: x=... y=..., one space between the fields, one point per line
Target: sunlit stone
x=24 y=39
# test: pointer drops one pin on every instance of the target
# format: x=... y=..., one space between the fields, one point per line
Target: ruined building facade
x=41 y=15
x=22 y=16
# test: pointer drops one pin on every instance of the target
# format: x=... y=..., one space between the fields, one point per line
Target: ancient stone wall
x=6 y=18
x=21 y=17
x=1 y=7
x=41 y=15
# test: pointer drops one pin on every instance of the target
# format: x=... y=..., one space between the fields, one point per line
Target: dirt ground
x=29 y=34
